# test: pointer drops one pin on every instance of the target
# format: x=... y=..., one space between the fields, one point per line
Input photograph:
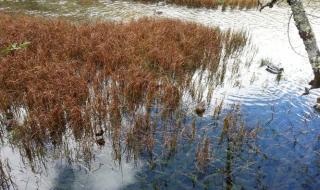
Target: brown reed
x=92 y=77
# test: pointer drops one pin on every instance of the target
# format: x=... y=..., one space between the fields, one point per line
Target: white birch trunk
x=305 y=31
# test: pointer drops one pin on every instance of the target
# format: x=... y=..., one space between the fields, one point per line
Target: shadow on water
x=65 y=179
x=256 y=132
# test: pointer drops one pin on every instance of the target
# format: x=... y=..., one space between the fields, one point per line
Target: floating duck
x=157 y=12
x=200 y=109
x=274 y=69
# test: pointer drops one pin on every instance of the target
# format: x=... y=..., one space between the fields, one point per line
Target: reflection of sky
x=23 y=177
x=277 y=106
x=104 y=173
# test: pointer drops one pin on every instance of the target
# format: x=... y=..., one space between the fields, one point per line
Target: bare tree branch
x=269 y=4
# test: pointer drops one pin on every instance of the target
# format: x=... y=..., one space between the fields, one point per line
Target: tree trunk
x=305 y=31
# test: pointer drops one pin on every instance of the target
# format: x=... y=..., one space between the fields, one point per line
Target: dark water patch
x=65 y=179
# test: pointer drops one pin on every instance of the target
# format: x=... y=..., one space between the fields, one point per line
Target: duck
x=200 y=109
x=157 y=12
x=274 y=69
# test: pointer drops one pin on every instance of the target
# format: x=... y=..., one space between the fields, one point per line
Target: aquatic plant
x=124 y=79
x=203 y=154
x=215 y=156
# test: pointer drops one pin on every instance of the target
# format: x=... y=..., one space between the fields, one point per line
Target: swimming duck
x=157 y=12
x=200 y=109
x=274 y=69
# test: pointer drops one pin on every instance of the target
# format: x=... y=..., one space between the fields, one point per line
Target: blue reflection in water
x=65 y=179
x=284 y=155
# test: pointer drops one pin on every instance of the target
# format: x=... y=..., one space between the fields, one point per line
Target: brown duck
x=200 y=109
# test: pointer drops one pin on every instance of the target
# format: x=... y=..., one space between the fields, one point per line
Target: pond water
x=286 y=153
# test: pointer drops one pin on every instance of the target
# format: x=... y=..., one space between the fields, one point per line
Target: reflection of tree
x=239 y=144
x=204 y=161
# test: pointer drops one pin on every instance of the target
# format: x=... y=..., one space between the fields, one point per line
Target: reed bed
x=102 y=79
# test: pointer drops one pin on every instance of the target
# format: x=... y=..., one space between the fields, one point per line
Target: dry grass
x=104 y=76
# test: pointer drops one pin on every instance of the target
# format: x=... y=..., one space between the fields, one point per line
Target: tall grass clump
x=100 y=79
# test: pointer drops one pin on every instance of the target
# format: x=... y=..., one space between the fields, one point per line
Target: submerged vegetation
x=233 y=4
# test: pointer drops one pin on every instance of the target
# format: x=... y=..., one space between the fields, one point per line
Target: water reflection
x=102 y=174
x=65 y=179
x=279 y=148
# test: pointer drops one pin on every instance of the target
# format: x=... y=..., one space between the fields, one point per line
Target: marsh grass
x=124 y=80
